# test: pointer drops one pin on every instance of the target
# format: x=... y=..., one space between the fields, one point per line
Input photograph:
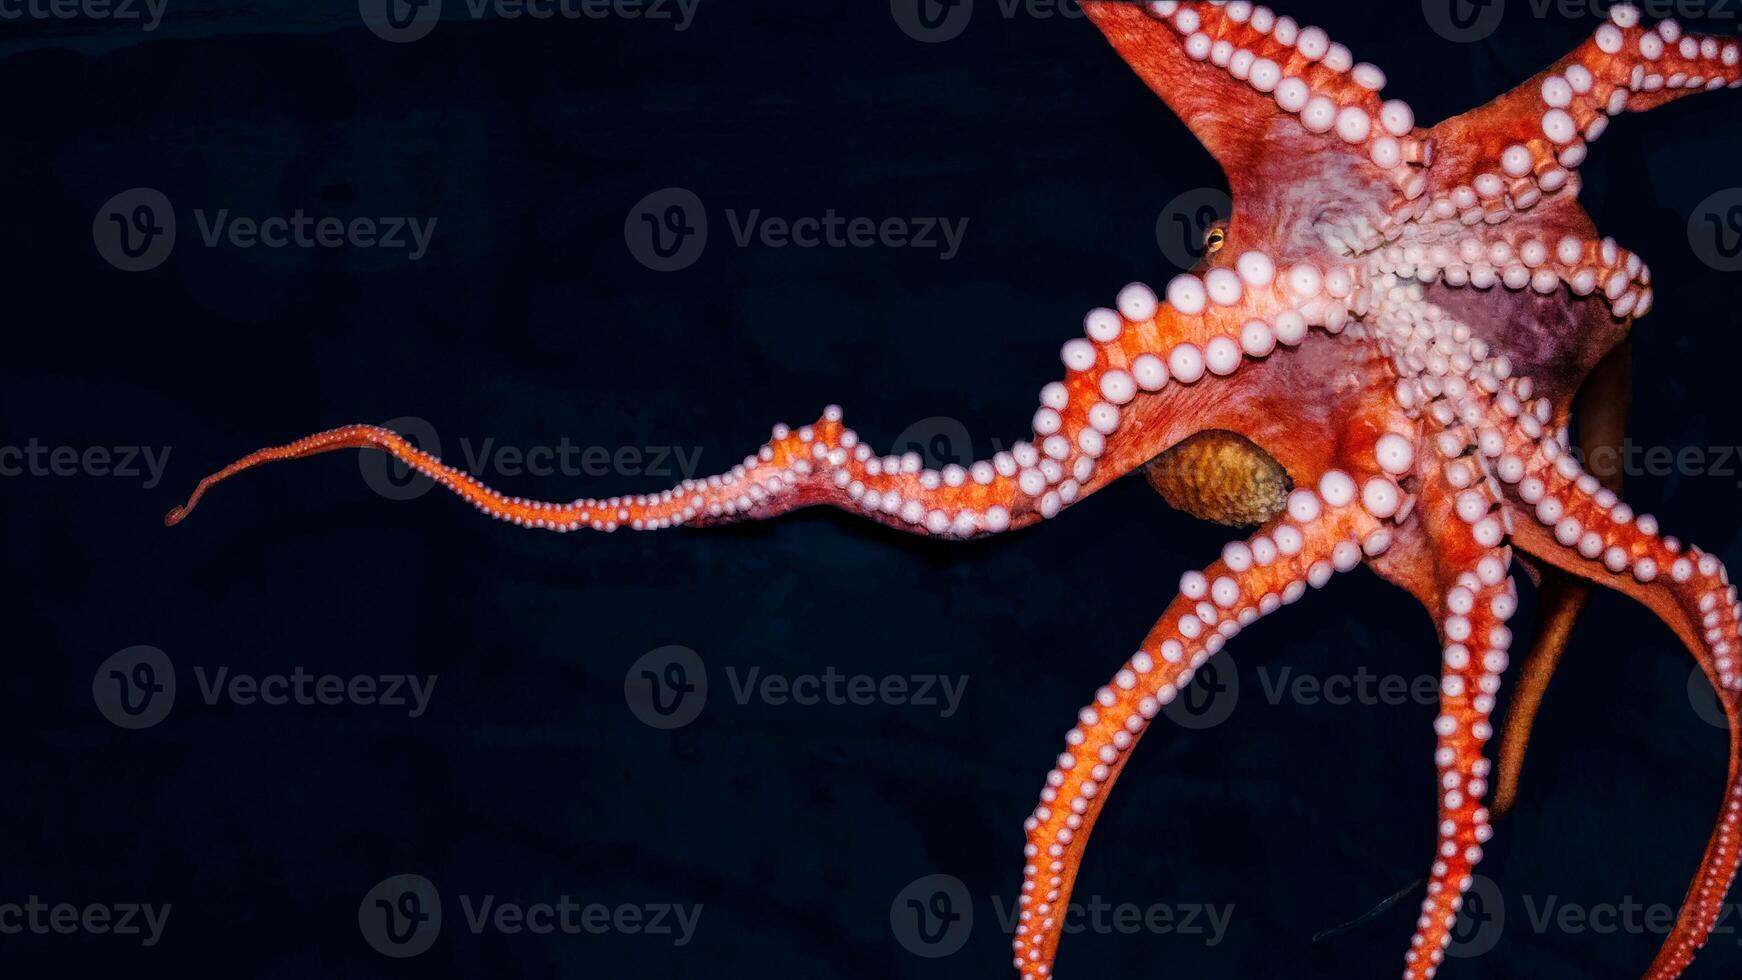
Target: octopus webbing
x=1375 y=363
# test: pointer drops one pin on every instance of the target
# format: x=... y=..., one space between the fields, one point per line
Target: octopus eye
x=1215 y=239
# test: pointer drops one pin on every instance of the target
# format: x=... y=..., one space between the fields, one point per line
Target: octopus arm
x=1498 y=161
x=1562 y=598
x=1471 y=598
x=1240 y=76
x=1320 y=534
x=1136 y=383
x=1541 y=254
x=1516 y=479
x=1566 y=519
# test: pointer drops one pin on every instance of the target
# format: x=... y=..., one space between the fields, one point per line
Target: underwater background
x=548 y=319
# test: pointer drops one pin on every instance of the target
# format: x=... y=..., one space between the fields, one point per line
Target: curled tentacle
x=1094 y=426
x=1298 y=549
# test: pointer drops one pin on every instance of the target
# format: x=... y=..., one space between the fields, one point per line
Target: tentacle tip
x=176 y=515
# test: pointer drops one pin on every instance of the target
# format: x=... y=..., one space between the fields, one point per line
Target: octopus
x=1375 y=364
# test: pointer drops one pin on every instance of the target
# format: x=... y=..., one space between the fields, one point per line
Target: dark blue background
x=529 y=321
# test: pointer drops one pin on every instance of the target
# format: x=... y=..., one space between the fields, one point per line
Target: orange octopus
x=1376 y=362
